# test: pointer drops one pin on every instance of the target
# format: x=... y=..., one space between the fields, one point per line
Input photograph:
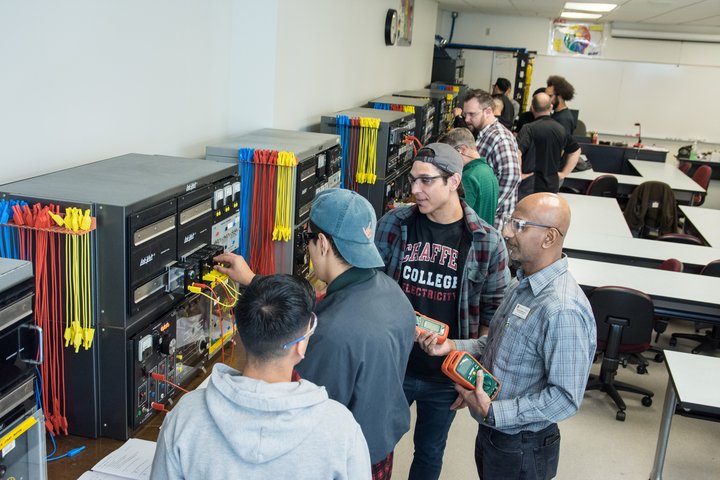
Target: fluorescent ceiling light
x=581 y=15
x=590 y=7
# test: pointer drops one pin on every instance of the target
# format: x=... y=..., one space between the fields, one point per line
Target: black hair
x=315 y=229
x=562 y=87
x=503 y=84
x=273 y=310
x=539 y=90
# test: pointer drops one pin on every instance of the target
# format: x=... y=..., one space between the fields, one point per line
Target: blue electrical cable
x=245 y=157
x=69 y=454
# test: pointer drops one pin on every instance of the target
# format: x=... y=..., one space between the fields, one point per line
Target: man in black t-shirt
x=561 y=91
x=555 y=152
x=452 y=266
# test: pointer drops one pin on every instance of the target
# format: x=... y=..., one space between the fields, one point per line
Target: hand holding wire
x=237 y=268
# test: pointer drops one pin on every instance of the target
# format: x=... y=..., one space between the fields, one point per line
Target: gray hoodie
x=241 y=428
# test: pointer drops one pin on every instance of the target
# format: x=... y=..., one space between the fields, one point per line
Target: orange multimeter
x=464 y=370
x=426 y=324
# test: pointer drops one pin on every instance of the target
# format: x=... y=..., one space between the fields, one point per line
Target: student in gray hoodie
x=260 y=424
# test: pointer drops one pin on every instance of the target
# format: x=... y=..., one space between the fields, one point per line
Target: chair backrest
x=701 y=177
x=651 y=210
x=681 y=238
x=632 y=308
x=685 y=167
x=672 y=265
x=712 y=269
x=603 y=186
x=580 y=129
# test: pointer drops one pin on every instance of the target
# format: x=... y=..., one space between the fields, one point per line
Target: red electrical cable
x=161 y=378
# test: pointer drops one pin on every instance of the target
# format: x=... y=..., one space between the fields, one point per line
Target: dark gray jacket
x=359 y=353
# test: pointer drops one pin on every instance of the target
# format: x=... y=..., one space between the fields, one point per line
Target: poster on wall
x=407 y=8
x=577 y=39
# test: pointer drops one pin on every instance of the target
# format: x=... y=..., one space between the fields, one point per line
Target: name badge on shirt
x=521 y=311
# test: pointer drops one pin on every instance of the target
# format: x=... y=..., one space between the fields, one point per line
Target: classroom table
x=676 y=295
x=670 y=174
x=708 y=160
x=683 y=186
x=705 y=221
x=595 y=215
x=694 y=387
x=637 y=251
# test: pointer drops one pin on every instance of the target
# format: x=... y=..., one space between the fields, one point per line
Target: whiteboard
x=670 y=101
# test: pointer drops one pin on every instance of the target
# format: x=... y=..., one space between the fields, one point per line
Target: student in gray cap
x=366 y=325
x=453 y=268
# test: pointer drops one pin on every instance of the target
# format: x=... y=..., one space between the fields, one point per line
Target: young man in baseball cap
x=366 y=325
x=453 y=268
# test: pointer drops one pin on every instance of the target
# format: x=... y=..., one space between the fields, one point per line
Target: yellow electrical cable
x=68 y=303
x=362 y=153
x=287 y=163
x=89 y=332
x=370 y=175
x=216 y=301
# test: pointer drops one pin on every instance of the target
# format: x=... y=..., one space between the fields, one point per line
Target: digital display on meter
x=464 y=370
x=426 y=324
x=468 y=368
x=431 y=326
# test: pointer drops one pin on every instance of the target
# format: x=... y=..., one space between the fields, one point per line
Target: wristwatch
x=489 y=419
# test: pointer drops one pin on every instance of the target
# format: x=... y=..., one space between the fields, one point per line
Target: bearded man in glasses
x=260 y=424
x=453 y=268
x=366 y=325
x=540 y=347
x=498 y=145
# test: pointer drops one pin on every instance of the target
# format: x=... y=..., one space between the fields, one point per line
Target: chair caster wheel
x=673 y=342
x=646 y=401
x=624 y=362
x=659 y=357
x=620 y=416
x=641 y=369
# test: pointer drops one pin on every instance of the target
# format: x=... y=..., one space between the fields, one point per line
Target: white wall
x=667 y=86
x=332 y=55
x=84 y=80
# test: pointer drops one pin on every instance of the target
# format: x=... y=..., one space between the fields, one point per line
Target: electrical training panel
x=274 y=165
x=159 y=222
x=376 y=152
x=423 y=109
x=444 y=102
x=22 y=425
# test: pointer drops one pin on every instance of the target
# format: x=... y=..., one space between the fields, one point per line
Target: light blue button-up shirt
x=540 y=347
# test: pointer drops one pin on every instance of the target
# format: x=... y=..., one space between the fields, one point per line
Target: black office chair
x=711 y=339
x=651 y=210
x=625 y=321
x=603 y=186
x=661 y=323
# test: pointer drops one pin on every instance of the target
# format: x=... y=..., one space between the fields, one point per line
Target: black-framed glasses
x=517 y=225
x=306 y=236
x=313 y=326
x=424 y=179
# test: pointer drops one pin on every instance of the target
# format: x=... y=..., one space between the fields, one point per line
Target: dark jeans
x=526 y=455
x=432 y=425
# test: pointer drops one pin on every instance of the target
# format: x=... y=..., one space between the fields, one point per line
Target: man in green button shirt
x=478 y=179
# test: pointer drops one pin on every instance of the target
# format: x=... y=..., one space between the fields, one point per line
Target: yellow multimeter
x=426 y=324
x=463 y=369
